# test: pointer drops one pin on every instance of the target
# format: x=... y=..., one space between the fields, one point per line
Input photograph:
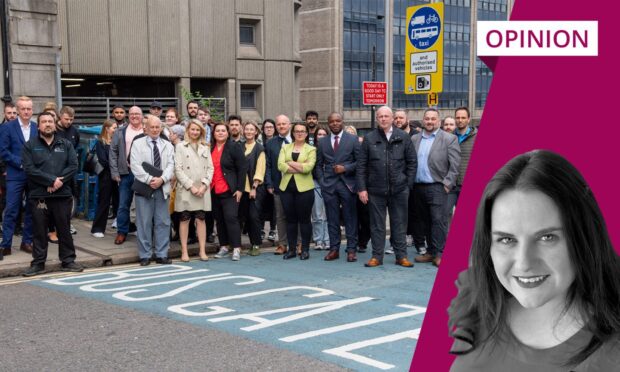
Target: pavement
x=95 y=252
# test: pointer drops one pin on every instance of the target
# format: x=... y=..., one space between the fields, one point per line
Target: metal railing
x=94 y=110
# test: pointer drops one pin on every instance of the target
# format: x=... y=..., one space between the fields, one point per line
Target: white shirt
x=333 y=138
x=25 y=129
x=388 y=134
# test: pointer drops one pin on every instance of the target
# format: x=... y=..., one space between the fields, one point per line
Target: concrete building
x=245 y=51
x=336 y=49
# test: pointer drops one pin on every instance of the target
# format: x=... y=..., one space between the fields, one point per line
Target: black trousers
x=363 y=227
x=431 y=220
x=249 y=213
x=226 y=211
x=104 y=198
x=60 y=210
x=298 y=209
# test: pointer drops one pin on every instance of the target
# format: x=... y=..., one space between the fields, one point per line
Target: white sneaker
x=73 y=230
x=236 y=256
x=114 y=224
x=222 y=253
x=409 y=240
x=389 y=251
x=98 y=235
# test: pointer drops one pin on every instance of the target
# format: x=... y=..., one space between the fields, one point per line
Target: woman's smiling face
x=529 y=249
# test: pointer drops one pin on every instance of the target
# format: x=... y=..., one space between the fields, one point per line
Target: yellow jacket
x=307 y=157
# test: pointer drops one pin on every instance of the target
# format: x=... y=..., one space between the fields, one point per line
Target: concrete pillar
x=33 y=40
x=183 y=84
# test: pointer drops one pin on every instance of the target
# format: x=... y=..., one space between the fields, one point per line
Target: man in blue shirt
x=438 y=161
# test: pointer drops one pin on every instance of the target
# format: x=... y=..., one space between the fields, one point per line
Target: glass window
x=248 y=98
x=246 y=33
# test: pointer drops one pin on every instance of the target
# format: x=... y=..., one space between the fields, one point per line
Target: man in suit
x=154 y=218
x=335 y=168
x=273 y=176
x=439 y=156
x=13 y=137
x=385 y=171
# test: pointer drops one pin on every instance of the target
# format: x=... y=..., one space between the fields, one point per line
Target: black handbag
x=91 y=164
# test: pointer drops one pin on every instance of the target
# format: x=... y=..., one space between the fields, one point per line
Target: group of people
x=184 y=176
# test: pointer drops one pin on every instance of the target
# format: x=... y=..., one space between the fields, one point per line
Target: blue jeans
x=320 y=232
x=154 y=223
x=14 y=195
x=125 y=197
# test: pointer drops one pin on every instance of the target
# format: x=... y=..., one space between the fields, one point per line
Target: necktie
x=156 y=156
x=336 y=143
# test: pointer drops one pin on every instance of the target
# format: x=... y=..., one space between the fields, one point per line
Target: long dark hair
x=595 y=292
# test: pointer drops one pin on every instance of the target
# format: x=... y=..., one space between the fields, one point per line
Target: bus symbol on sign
x=424 y=28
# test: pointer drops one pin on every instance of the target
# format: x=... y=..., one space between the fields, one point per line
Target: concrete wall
x=188 y=39
x=320 y=44
x=33 y=43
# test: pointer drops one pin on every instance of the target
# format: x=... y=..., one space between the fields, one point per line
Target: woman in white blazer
x=194 y=172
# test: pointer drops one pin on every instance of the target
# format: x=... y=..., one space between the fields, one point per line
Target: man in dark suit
x=335 y=168
x=273 y=176
x=439 y=156
x=13 y=137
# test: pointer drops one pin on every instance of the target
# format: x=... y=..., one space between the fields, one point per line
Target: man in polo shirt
x=438 y=162
x=120 y=171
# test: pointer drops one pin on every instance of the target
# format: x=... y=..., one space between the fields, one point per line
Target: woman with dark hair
x=320 y=230
x=104 y=179
x=267 y=211
x=230 y=167
x=296 y=162
x=543 y=289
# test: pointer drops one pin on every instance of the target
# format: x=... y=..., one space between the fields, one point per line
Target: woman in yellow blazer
x=296 y=162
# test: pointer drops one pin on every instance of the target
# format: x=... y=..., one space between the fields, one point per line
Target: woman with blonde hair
x=194 y=172
x=104 y=179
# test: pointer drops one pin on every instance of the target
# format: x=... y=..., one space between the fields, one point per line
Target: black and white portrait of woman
x=542 y=292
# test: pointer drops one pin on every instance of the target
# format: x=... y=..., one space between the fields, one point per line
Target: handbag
x=91 y=164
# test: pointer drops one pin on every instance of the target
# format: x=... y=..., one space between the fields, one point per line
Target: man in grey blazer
x=335 y=170
x=439 y=156
x=154 y=218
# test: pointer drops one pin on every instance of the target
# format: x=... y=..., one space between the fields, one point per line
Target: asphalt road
x=257 y=314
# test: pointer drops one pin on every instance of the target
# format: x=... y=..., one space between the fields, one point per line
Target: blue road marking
x=362 y=318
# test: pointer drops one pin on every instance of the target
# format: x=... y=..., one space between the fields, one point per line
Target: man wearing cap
x=156 y=109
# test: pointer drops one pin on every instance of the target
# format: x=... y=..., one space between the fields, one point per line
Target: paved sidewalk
x=94 y=252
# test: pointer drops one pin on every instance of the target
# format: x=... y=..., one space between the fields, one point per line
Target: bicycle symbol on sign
x=432 y=19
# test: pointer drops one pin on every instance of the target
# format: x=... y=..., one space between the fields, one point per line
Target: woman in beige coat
x=194 y=172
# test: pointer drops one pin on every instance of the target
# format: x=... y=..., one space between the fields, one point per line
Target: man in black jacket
x=50 y=163
x=386 y=169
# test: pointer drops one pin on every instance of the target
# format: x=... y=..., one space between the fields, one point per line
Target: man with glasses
x=120 y=171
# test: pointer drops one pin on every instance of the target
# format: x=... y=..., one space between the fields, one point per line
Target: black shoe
x=191 y=241
x=73 y=267
x=304 y=255
x=145 y=262
x=132 y=227
x=163 y=260
x=34 y=270
x=289 y=254
x=211 y=239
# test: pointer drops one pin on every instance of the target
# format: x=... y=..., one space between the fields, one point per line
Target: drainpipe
x=5 y=50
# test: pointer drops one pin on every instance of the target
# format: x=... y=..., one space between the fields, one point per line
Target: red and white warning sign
x=375 y=93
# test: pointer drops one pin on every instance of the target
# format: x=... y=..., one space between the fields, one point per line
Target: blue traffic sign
x=424 y=28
